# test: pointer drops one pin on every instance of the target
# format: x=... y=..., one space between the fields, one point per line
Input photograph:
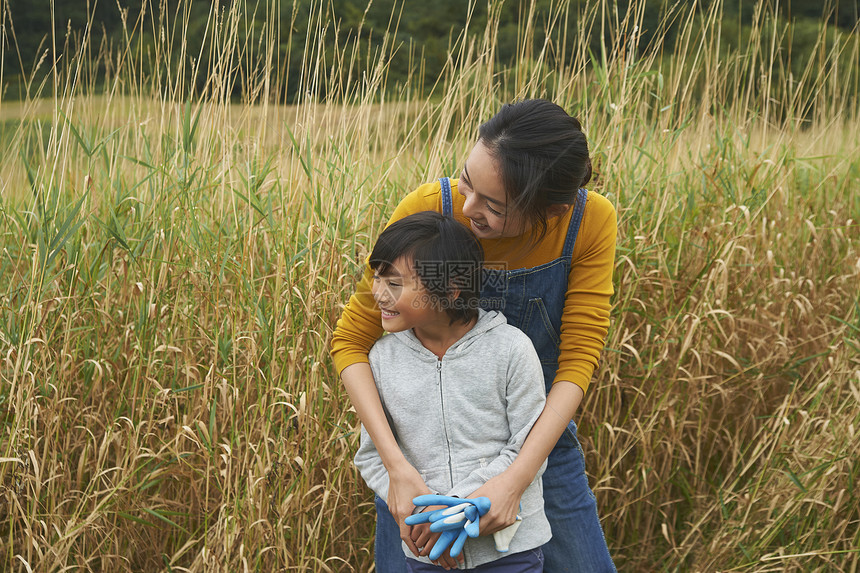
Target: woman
x=553 y=246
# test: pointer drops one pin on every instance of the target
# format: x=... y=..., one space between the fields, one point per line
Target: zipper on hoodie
x=444 y=421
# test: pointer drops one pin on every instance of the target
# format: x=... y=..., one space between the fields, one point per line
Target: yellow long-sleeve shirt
x=586 y=307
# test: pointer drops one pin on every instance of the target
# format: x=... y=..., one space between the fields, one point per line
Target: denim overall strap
x=532 y=299
x=575 y=221
x=447 y=201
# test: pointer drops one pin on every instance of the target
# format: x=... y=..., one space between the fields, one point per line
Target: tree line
x=418 y=34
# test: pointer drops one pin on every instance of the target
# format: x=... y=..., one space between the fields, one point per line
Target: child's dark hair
x=445 y=255
x=542 y=154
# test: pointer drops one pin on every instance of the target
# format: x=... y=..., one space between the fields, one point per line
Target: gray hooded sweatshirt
x=461 y=420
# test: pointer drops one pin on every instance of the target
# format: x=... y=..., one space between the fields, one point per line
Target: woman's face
x=486 y=201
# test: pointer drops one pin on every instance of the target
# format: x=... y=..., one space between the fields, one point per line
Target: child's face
x=403 y=300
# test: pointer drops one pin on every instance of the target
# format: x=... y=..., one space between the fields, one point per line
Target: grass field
x=172 y=268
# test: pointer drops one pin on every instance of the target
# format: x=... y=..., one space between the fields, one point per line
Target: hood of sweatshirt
x=487 y=320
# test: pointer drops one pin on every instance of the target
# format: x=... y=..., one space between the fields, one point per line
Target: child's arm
x=525 y=396
x=370 y=460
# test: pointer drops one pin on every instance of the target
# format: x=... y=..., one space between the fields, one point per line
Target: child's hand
x=421 y=534
x=425 y=540
x=446 y=561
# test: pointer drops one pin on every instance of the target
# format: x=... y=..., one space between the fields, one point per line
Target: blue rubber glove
x=461 y=519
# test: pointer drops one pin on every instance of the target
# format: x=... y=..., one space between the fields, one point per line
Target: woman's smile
x=479 y=228
x=485 y=200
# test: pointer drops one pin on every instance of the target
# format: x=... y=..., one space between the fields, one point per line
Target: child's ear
x=454 y=292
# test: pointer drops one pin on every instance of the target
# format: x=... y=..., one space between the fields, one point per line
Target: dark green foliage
x=419 y=35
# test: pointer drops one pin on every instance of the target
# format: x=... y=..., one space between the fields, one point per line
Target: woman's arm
x=506 y=489
x=585 y=320
x=584 y=326
x=404 y=481
x=358 y=328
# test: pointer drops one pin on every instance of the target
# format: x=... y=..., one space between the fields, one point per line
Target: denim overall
x=533 y=300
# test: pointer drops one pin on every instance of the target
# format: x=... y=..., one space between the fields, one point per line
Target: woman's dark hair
x=542 y=155
x=445 y=255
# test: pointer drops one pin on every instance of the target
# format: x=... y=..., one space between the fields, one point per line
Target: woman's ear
x=556 y=210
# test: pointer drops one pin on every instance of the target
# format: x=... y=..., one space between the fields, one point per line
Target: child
x=460 y=387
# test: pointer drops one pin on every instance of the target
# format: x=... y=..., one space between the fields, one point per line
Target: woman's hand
x=506 y=489
x=404 y=484
x=504 y=493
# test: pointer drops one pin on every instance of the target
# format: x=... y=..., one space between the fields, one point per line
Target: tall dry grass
x=172 y=270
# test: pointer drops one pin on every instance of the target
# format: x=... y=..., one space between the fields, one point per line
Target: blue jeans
x=577 y=543
x=388 y=551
